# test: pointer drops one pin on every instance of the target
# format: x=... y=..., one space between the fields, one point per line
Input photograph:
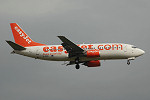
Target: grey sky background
x=82 y=21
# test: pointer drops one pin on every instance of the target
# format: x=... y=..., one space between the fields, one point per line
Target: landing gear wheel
x=77 y=66
x=128 y=62
x=77 y=63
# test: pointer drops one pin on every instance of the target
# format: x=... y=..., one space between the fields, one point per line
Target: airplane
x=85 y=54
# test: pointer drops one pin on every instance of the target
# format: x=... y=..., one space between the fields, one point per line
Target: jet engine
x=94 y=63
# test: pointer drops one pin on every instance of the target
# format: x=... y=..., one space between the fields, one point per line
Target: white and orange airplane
x=86 y=54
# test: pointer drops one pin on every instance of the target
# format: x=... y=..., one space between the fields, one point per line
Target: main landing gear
x=77 y=66
x=77 y=63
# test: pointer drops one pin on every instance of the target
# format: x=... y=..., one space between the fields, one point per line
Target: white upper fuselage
x=107 y=51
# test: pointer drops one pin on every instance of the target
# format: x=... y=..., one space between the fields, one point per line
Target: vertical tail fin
x=21 y=37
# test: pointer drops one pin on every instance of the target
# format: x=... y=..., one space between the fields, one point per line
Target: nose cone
x=141 y=52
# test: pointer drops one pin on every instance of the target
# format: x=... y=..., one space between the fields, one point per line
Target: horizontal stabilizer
x=15 y=46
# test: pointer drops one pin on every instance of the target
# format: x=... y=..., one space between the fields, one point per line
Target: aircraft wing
x=71 y=48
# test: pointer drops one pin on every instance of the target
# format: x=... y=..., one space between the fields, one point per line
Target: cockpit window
x=134 y=46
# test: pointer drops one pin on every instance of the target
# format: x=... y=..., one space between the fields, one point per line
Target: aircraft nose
x=141 y=52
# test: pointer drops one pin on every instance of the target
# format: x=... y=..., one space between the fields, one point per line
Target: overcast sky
x=82 y=21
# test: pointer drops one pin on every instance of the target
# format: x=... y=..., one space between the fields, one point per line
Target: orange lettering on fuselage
x=60 y=48
x=100 y=47
x=117 y=46
x=53 y=49
x=46 y=49
x=84 y=47
x=107 y=47
x=90 y=46
x=110 y=47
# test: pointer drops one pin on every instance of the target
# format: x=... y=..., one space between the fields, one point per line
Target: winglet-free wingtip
x=60 y=36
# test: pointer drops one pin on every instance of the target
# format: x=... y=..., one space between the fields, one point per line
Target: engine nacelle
x=93 y=53
x=94 y=63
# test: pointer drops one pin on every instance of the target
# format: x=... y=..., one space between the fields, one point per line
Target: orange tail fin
x=21 y=37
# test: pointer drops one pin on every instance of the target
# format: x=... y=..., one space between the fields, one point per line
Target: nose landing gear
x=129 y=59
x=128 y=62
